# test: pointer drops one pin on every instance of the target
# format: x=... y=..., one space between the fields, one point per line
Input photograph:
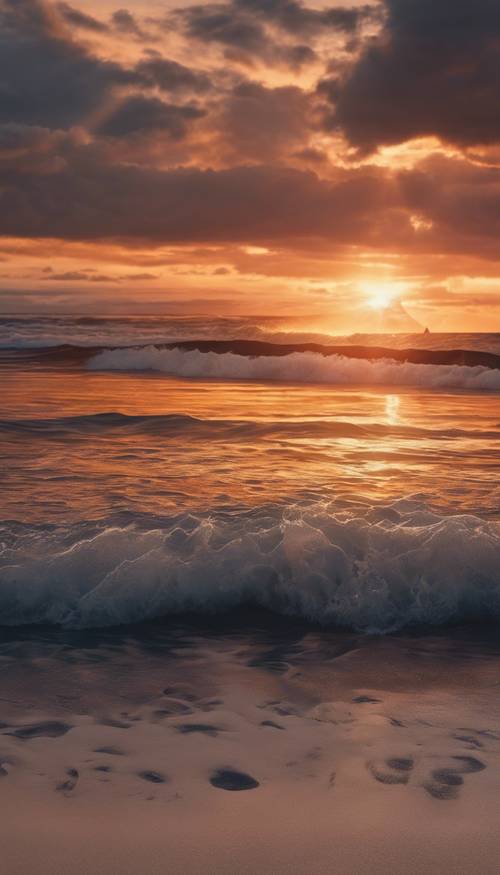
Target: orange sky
x=252 y=156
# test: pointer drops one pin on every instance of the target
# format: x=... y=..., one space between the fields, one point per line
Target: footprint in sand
x=488 y=734
x=445 y=782
x=115 y=724
x=469 y=740
x=230 y=779
x=47 y=729
x=283 y=709
x=272 y=724
x=71 y=782
x=203 y=728
x=475 y=738
x=395 y=770
x=210 y=704
x=153 y=777
x=397 y=723
x=172 y=708
x=176 y=691
x=111 y=751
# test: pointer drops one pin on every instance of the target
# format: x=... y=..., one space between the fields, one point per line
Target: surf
x=377 y=571
x=301 y=367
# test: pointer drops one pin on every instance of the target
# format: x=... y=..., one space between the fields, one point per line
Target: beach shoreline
x=368 y=754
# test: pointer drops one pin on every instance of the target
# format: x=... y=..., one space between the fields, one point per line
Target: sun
x=380 y=300
x=378 y=297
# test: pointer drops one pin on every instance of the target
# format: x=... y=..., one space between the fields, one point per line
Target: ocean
x=142 y=481
x=230 y=546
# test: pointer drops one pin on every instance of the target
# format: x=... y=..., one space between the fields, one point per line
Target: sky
x=327 y=161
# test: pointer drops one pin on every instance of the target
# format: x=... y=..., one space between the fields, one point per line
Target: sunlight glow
x=379 y=297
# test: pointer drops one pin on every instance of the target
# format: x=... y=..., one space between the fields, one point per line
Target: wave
x=20 y=332
x=184 y=426
x=48 y=352
x=304 y=367
x=86 y=331
x=395 y=566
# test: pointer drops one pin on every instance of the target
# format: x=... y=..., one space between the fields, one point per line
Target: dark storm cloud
x=49 y=80
x=68 y=119
x=77 y=18
x=46 y=78
x=124 y=22
x=461 y=199
x=301 y=20
x=263 y=29
x=169 y=75
x=90 y=201
x=66 y=188
x=140 y=114
x=242 y=34
x=260 y=123
x=435 y=70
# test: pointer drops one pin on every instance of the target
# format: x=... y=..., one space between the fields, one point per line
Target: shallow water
x=130 y=494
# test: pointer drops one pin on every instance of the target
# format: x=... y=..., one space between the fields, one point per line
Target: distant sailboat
x=427 y=331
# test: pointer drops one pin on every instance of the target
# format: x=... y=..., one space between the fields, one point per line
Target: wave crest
x=396 y=566
x=303 y=367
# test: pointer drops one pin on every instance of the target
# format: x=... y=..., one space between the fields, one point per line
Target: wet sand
x=248 y=744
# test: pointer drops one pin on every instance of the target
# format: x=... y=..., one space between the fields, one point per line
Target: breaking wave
x=305 y=367
x=391 y=567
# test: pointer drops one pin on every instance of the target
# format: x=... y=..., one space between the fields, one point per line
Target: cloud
x=261 y=124
x=93 y=276
x=88 y=200
x=169 y=75
x=122 y=22
x=80 y=276
x=140 y=114
x=51 y=83
x=48 y=79
x=125 y=23
x=459 y=200
x=68 y=189
x=242 y=34
x=298 y=19
x=137 y=151
x=434 y=70
x=77 y=18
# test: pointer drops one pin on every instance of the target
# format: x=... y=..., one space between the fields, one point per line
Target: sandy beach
x=258 y=747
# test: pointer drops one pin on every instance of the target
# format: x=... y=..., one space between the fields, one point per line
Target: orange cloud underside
x=206 y=172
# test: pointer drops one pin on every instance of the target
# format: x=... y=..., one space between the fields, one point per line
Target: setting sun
x=378 y=296
x=380 y=300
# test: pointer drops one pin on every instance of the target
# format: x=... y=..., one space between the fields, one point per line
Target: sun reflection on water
x=392 y=409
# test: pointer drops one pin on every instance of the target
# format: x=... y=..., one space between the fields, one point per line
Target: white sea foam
x=304 y=367
x=389 y=568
